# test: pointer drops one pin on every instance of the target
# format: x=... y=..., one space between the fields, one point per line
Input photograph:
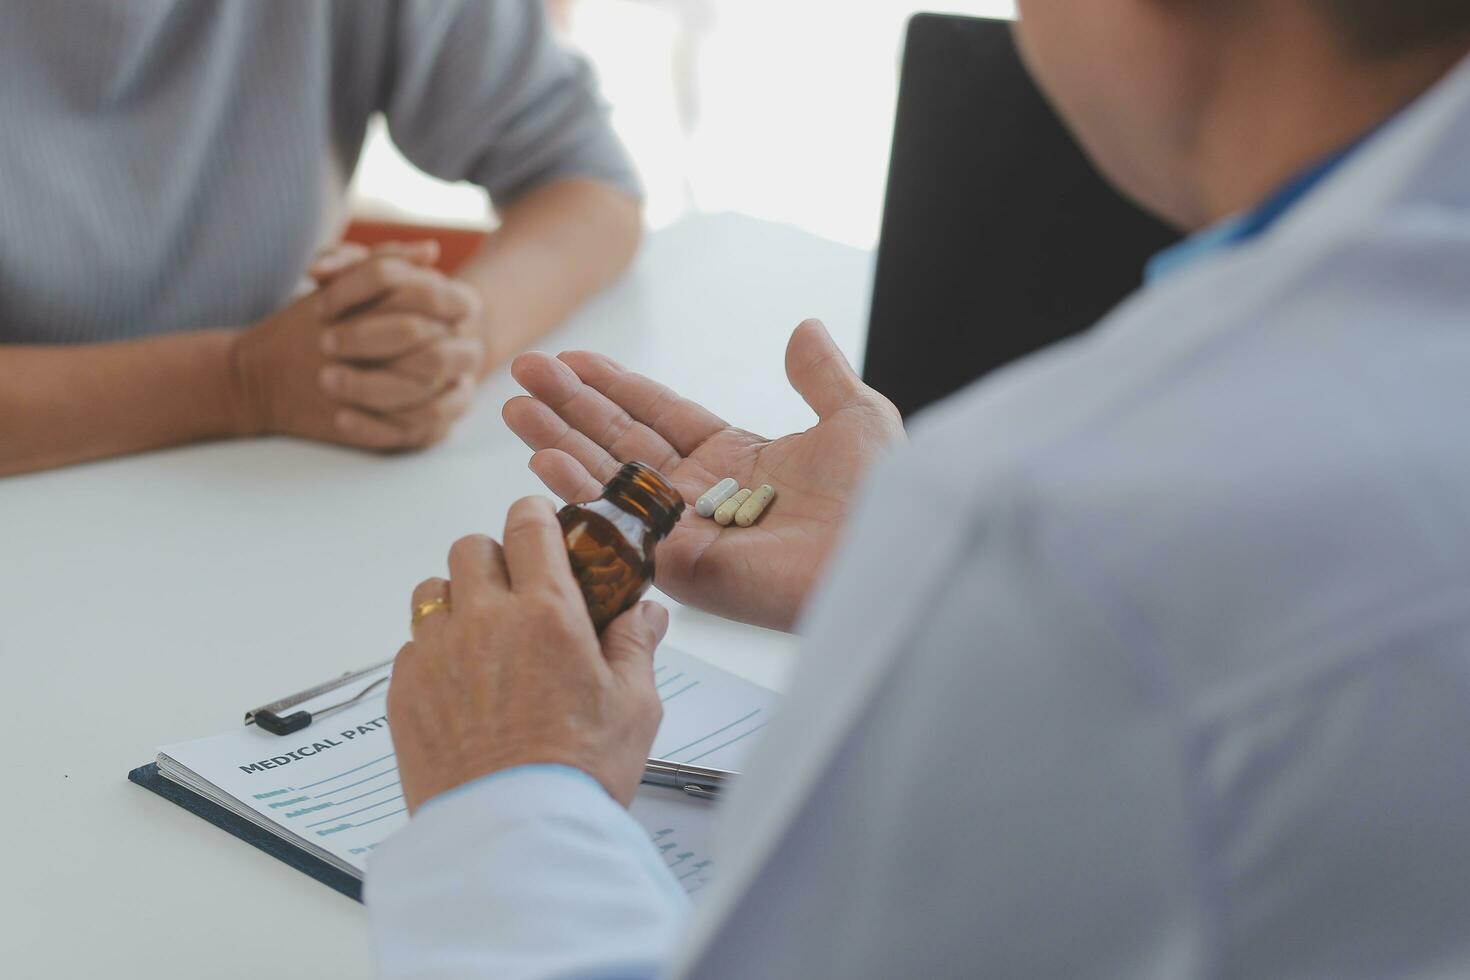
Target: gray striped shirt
x=173 y=164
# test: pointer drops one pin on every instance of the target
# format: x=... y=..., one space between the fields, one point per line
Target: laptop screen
x=999 y=237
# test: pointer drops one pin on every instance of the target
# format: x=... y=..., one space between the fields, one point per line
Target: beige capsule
x=725 y=513
x=754 y=505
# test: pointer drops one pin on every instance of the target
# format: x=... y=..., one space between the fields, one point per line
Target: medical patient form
x=332 y=789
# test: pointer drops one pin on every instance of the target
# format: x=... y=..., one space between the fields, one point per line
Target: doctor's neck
x=1288 y=96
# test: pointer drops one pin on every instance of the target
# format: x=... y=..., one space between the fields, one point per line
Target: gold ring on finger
x=426 y=609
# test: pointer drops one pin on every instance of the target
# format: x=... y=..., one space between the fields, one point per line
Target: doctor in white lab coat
x=1147 y=658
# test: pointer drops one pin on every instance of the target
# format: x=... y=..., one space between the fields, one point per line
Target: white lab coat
x=1148 y=658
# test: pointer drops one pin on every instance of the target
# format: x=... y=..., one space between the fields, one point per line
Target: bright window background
x=781 y=109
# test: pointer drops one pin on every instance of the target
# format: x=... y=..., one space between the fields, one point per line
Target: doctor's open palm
x=586 y=415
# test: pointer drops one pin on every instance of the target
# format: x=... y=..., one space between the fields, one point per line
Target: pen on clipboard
x=700 y=782
x=697 y=781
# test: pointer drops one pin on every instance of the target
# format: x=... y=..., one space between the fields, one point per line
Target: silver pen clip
x=696 y=781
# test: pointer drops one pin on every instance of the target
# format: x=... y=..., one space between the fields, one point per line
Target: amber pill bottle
x=612 y=539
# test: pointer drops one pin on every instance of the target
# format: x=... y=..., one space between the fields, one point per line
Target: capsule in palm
x=706 y=505
x=750 y=511
x=725 y=513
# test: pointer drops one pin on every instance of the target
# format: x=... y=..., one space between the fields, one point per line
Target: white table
x=151 y=600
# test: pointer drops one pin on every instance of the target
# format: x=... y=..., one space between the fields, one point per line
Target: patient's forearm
x=555 y=247
x=62 y=405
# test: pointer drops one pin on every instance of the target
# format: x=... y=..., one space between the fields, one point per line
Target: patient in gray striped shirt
x=174 y=168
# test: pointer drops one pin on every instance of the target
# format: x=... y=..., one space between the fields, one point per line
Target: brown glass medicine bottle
x=611 y=540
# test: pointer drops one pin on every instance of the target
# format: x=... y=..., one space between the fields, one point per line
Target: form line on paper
x=383 y=817
x=343 y=816
x=680 y=691
x=731 y=742
x=358 y=783
x=370 y=792
x=372 y=806
x=682 y=748
x=347 y=773
x=669 y=680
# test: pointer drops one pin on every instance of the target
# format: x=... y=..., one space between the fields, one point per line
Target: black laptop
x=999 y=237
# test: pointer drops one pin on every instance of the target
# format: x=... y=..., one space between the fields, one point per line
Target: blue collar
x=1252 y=225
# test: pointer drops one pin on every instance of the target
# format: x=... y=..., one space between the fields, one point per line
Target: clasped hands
x=513 y=673
x=383 y=354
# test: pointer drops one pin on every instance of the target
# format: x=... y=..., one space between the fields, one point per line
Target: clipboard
x=237 y=780
x=150 y=779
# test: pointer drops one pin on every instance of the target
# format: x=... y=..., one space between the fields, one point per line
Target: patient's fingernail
x=329 y=342
x=345 y=420
x=331 y=378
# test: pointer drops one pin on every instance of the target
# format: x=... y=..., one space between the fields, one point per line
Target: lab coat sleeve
x=528 y=873
x=970 y=775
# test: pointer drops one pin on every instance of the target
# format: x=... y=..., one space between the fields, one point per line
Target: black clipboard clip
x=270 y=717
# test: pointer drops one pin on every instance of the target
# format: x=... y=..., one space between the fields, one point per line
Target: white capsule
x=716 y=495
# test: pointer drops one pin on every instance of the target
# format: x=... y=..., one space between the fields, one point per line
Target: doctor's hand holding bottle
x=586 y=415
